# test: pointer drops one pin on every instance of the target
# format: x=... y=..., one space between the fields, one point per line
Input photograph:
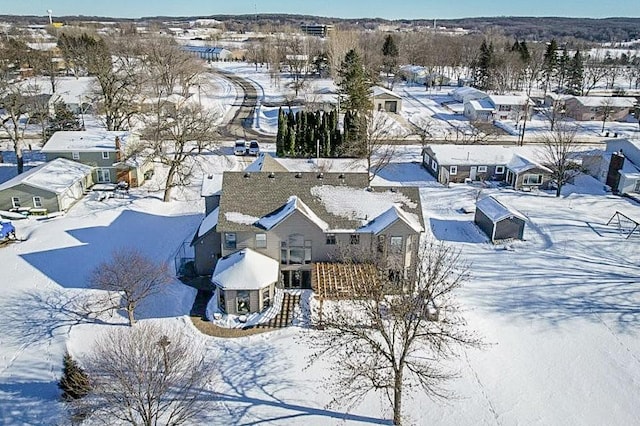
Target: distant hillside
x=531 y=28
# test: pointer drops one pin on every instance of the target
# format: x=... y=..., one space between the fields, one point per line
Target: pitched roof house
x=298 y=219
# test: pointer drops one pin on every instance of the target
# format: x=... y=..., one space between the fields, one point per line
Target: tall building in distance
x=318 y=30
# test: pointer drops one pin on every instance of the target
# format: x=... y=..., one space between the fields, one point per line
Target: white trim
x=75 y=155
x=105 y=155
x=15 y=202
x=37 y=204
x=482 y=169
x=499 y=170
x=453 y=170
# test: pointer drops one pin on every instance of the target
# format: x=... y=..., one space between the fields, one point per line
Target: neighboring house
x=457 y=163
x=206 y=241
x=75 y=93
x=50 y=187
x=106 y=151
x=510 y=107
x=385 y=100
x=498 y=221
x=209 y=53
x=595 y=108
x=298 y=219
x=466 y=93
x=620 y=165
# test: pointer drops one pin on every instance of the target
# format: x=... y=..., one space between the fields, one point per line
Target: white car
x=240 y=147
x=254 y=148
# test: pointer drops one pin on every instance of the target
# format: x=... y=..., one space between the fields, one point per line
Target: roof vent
x=247 y=175
x=272 y=175
x=320 y=175
x=210 y=177
x=393 y=189
x=298 y=175
x=341 y=176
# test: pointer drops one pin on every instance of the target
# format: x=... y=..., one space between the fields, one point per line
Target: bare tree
x=396 y=342
x=378 y=148
x=607 y=108
x=558 y=153
x=129 y=278
x=339 y=43
x=176 y=134
x=147 y=375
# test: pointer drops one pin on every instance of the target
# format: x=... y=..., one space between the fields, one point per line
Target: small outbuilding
x=385 y=100
x=498 y=221
x=245 y=282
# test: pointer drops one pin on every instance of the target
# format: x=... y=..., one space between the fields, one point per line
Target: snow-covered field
x=559 y=312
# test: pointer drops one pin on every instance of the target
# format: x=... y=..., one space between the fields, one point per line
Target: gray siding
x=207 y=252
x=26 y=194
x=508 y=228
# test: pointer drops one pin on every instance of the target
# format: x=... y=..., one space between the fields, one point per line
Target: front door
x=473 y=172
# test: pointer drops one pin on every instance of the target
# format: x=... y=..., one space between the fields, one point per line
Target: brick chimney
x=118 y=149
x=613 y=175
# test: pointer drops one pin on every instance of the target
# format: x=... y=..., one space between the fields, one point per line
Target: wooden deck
x=342 y=280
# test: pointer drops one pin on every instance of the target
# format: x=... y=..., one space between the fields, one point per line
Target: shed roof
x=55 y=176
x=245 y=270
x=495 y=210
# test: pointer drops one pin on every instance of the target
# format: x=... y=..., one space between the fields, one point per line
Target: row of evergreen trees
x=301 y=133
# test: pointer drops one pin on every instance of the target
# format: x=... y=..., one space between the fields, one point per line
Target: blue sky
x=389 y=9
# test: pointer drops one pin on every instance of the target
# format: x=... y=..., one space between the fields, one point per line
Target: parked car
x=240 y=147
x=254 y=148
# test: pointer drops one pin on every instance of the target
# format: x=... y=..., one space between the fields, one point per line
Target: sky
x=409 y=9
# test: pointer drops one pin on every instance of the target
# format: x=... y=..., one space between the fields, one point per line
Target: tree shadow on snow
x=256 y=375
x=28 y=403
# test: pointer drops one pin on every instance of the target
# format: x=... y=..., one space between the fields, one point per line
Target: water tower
x=49 y=12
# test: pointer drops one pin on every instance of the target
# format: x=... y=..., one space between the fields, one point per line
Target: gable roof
x=245 y=270
x=379 y=91
x=265 y=163
x=495 y=210
x=508 y=99
x=449 y=154
x=334 y=201
x=520 y=164
x=481 y=104
x=211 y=185
x=389 y=217
x=600 y=101
x=85 y=141
x=55 y=176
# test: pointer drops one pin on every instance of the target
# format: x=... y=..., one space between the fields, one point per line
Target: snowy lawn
x=559 y=312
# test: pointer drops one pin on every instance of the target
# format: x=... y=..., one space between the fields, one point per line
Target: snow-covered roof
x=449 y=154
x=609 y=101
x=209 y=222
x=389 y=217
x=55 y=176
x=519 y=164
x=508 y=99
x=495 y=210
x=481 y=105
x=86 y=141
x=466 y=93
x=378 y=91
x=245 y=270
x=211 y=185
x=294 y=203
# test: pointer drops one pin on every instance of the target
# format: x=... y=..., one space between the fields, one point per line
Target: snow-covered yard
x=559 y=312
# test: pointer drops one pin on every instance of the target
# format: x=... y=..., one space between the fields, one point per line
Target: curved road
x=240 y=124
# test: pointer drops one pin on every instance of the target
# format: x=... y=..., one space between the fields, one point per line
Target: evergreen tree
x=563 y=68
x=390 y=55
x=74 y=381
x=282 y=127
x=550 y=63
x=576 y=74
x=354 y=84
x=484 y=66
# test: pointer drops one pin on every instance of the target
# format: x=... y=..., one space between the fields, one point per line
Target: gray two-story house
x=290 y=221
x=108 y=152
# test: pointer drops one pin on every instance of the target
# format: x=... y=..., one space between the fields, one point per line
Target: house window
x=261 y=240
x=296 y=252
x=230 y=240
x=105 y=155
x=222 y=300
x=355 y=239
x=15 y=202
x=104 y=175
x=482 y=169
x=434 y=165
x=266 y=298
x=382 y=240
x=532 y=180
x=331 y=239
x=75 y=155
x=37 y=202
x=453 y=170
x=499 y=170
x=242 y=302
x=396 y=244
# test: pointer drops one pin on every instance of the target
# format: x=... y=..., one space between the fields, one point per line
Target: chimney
x=118 y=149
x=613 y=175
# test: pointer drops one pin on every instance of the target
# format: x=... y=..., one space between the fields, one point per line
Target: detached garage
x=51 y=187
x=498 y=221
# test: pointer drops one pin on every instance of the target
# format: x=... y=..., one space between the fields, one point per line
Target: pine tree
x=563 y=68
x=576 y=74
x=74 y=381
x=550 y=63
x=282 y=127
x=390 y=56
x=354 y=84
x=484 y=67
